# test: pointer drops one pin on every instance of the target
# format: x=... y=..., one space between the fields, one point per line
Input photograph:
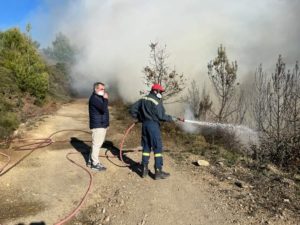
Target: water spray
x=245 y=134
x=192 y=121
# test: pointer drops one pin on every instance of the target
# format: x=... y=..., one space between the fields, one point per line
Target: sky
x=16 y=12
x=114 y=35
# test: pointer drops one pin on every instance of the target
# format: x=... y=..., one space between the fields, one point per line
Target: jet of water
x=244 y=134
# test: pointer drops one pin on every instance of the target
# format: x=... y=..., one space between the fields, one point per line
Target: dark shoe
x=89 y=164
x=159 y=174
x=99 y=167
x=145 y=171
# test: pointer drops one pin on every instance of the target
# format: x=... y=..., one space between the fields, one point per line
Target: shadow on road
x=34 y=223
x=84 y=149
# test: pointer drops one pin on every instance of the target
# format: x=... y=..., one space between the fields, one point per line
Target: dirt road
x=45 y=186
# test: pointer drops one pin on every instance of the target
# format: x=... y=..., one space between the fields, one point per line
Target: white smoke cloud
x=114 y=35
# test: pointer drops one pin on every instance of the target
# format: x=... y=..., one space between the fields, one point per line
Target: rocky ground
x=45 y=186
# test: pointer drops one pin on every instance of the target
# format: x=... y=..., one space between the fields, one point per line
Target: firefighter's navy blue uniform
x=150 y=111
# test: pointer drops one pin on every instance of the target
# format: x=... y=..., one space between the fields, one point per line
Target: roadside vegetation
x=30 y=83
x=269 y=103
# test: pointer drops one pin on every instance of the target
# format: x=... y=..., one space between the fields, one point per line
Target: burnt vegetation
x=271 y=106
x=277 y=115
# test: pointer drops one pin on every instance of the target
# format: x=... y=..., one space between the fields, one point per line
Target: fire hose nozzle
x=181 y=119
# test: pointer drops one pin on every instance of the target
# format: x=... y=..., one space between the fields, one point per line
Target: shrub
x=8 y=123
x=18 y=53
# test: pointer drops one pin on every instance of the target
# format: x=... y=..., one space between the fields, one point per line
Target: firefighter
x=149 y=110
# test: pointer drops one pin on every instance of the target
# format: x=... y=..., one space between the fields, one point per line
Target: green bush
x=18 y=53
x=59 y=81
x=26 y=82
x=8 y=123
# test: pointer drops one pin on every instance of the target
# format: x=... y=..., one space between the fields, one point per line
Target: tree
x=63 y=53
x=200 y=104
x=294 y=101
x=240 y=103
x=278 y=91
x=193 y=98
x=277 y=112
x=223 y=77
x=20 y=56
x=205 y=105
x=159 y=72
x=260 y=98
x=62 y=50
x=294 y=117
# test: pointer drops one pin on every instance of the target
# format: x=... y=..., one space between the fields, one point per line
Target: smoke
x=189 y=115
x=113 y=36
x=244 y=136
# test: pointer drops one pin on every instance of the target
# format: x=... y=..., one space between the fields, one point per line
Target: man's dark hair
x=98 y=83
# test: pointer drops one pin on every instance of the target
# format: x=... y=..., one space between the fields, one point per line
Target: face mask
x=159 y=95
x=100 y=93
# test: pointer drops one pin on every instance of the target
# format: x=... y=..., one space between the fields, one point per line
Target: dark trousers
x=151 y=141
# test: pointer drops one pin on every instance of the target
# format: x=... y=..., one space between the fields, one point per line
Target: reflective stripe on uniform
x=146 y=153
x=158 y=155
x=151 y=99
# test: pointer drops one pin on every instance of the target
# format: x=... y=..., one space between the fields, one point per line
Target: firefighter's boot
x=159 y=174
x=145 y=170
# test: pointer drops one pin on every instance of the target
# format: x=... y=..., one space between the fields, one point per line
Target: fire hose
x=123 y=140
x=44 y=142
